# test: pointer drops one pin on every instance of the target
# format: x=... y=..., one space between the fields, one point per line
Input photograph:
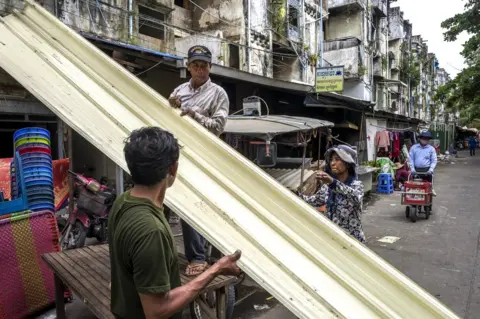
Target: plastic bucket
x=35 y=150
x=31 y=140
x=31 y=131
x=29 y=145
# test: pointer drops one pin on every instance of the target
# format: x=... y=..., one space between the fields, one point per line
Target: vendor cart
x=263 y=138
x=417 y=196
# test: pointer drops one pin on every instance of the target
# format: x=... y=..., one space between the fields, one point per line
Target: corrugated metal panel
x=304 y=260
x=290 y=178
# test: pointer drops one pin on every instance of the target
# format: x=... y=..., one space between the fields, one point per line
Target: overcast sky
x=426 y=17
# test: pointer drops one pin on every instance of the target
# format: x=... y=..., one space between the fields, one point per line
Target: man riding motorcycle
x=423 y=158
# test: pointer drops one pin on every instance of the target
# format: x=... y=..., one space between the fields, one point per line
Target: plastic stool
x=385 y=184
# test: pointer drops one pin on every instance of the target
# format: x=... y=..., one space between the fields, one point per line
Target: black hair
x=149 y=153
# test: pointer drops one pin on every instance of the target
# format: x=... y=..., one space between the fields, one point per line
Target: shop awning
x=267 y=127
x=335 y=100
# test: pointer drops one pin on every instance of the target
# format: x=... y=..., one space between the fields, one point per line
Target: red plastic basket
x=417 y=193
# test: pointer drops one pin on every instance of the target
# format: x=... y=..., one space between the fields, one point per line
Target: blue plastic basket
x=35 y=155
x=44 y=206
x=31 y=131
x=39 y=169
x=33 y=177
x=39 y=201
x=39 y=182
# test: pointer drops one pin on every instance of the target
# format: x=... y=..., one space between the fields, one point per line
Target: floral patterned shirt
x=344 y=205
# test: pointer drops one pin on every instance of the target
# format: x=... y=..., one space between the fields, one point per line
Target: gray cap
x=346 y=153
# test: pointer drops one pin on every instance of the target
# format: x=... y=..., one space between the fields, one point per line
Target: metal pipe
x=302 y=172
x=249 y=25
x=119 y=180
x=60 y=153
x=130 y=19
x=303 y=21
x=319 y=147
x=71 y=203
x=320 y=33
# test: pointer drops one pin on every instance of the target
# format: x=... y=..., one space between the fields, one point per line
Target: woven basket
x=26 y=282
x=91 y=203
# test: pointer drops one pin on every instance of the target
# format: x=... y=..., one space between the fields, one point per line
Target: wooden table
x=86 y=271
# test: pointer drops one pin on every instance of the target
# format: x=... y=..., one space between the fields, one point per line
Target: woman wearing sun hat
x=341 y=191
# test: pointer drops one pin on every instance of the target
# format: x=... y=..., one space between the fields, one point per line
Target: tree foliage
x=463 y=93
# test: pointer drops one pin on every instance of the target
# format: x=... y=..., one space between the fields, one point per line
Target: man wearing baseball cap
x=208 y=104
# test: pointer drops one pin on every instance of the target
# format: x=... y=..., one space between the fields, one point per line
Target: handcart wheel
x=413 y=214
x=407 y=211
x=428 y=209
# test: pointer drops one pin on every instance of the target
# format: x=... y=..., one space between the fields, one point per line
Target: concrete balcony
x=380 y=67
x=380 y=7
x=336 y=5
x=345 y=52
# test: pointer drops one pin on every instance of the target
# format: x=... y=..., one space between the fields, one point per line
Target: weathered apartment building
x=441 y=78
x=276 y=40
x=356 y=37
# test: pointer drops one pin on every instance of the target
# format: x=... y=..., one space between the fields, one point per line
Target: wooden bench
x=86 y=271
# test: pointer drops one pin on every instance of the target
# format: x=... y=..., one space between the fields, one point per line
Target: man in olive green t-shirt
x=145 y=277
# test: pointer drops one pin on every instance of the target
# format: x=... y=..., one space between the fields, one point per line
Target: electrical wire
x=146 y=18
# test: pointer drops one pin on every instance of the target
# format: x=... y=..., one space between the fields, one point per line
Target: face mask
x=423 y=142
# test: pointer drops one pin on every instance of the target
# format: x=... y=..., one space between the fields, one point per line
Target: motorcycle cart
x=417 y=196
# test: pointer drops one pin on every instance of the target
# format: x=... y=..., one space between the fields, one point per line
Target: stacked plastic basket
x=33 y=145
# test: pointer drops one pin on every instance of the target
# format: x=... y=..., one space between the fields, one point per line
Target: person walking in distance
x=472 y=145
x=208 y=104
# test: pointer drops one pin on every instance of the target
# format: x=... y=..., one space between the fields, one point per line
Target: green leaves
x=463 y=92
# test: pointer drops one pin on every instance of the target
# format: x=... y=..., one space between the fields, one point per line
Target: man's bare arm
x=160 y=306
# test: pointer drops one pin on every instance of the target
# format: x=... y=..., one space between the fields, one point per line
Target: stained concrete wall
x=348 y=57
x=395 y=20
x=106 y=19
x=343 y=25
x=230 y=18
x=227 y=15
x=213 y=42
x=182 y=18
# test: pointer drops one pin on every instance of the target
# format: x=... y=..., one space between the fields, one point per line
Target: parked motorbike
x=90 y=215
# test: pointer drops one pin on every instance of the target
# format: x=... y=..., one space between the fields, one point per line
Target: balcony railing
x=333 y=45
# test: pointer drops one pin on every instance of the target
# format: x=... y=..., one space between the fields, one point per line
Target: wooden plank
x=100 y=269
x=220 y=281
x=87 y=272
x=59 y=269
x=91 y=294
x=87 y=267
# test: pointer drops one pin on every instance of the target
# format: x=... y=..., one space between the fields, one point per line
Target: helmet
x=425 y=134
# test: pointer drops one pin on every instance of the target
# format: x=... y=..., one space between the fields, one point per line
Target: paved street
x=441 y=254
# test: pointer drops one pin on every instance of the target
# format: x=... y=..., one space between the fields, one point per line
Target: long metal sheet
x=303 y=259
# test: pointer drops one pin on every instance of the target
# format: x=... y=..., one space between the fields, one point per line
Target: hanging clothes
x=396 y=145
x=382 y=140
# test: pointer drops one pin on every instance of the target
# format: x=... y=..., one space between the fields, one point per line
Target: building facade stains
x=280 y=39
